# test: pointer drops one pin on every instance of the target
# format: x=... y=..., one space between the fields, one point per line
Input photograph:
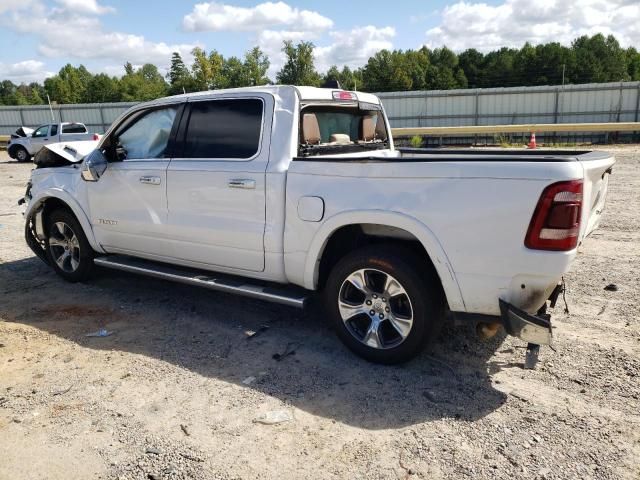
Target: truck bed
x=469 y=155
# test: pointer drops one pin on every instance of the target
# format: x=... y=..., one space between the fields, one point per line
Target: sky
x=38 y=37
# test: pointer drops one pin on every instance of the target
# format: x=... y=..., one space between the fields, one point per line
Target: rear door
x=73 y=131
x=216 y=184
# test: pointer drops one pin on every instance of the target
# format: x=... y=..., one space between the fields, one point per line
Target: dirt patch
x=66 y=310
x=179 y=361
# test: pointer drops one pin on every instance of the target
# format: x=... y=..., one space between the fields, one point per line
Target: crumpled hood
x=22 y=132
x=64 y=153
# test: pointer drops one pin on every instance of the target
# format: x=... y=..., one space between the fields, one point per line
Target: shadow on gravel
x=205 y=332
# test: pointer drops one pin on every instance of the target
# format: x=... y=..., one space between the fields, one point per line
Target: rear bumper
x=534 y=329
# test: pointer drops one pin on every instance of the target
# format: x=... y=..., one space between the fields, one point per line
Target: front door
x=39 y=138
x=128 y=204
x=216 y=183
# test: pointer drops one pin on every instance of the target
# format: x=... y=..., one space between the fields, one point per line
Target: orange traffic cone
x=532 y=141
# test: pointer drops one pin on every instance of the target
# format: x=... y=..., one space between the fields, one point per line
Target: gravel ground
x=178 y=389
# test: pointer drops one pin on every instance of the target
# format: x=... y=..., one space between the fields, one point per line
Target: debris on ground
x=274 y=417
x=289 y=350
x=254 y=333
x=612 y=287
x=103 y=332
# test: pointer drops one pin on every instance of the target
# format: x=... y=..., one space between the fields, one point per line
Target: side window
x=148 y=135
x=226 y=129
x=73 y=128
x=54 y=130
x=41 y=131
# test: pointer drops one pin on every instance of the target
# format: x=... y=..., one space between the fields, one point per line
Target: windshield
x=335 y=129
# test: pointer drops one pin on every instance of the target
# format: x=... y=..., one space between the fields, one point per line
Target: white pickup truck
x=26 y=142
x=275 y=192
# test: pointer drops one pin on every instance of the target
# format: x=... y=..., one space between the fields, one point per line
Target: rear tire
x=68 y=249
x=382 y=305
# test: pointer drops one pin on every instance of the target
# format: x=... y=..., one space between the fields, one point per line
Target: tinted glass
x=148 y=136
x=74 y=128
x=54 y=129
x=224 y=129
x=346 y=122
x=41 y=131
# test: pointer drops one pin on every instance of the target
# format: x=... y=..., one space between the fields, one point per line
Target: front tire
x=68 y=249
x=383 y=306
x=21 y=155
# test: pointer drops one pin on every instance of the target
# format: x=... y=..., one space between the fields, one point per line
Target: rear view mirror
x=94 y=166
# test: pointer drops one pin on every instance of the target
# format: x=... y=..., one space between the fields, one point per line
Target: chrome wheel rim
x=64 y=246
x=375 y=308
x=22 y=155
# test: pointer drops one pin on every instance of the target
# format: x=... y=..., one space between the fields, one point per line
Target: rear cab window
x=74 y=128
x=333 y=128
x=225 y=129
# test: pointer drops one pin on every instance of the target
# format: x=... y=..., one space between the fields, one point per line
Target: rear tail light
x=96 y=136
x=555 y=224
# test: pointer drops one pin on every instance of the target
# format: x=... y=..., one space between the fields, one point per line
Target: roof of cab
x=305 y=93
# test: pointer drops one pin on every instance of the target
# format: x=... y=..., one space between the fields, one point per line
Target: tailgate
x=597 y=167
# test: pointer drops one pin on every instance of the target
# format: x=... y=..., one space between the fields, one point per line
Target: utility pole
x=50 y=108
x=563 y=67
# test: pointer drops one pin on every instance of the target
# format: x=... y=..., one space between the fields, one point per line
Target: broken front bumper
x=535 y=329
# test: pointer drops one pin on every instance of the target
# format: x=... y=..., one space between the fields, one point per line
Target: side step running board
x=286 y=295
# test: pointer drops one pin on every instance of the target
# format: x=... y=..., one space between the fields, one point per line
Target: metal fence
x=96 y=116
x=587 y=103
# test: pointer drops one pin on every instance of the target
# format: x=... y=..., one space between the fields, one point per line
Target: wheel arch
x=344 y=228
x=52 y=199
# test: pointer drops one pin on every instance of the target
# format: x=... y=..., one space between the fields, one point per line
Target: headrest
x=310 y=129
x=368 y=129
x=381 y=131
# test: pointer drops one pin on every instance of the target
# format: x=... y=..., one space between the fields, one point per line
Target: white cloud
x=514 y=22
x=25 y=72
x=13 y=5
x=215 y=16
x=354 y=47
x=85 y=6
x=66 y=33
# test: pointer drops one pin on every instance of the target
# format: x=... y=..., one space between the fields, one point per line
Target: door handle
x=245 y=183
x=150 y=180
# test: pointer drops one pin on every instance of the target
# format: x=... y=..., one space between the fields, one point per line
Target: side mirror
x=94 y=166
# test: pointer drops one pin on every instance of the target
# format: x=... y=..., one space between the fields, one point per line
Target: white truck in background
x=275 y=192
x=26 y=142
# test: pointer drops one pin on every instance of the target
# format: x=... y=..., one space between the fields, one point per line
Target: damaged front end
x=34 y=227
x=34 y=234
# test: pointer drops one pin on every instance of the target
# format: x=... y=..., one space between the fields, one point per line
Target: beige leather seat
x=367 y=129
x=381 y=131
x=310 y=129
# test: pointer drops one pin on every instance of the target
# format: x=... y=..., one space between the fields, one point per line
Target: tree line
x=594 y=59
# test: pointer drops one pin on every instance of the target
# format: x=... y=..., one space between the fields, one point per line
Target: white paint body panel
x=128 y=215
x=470 y=216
